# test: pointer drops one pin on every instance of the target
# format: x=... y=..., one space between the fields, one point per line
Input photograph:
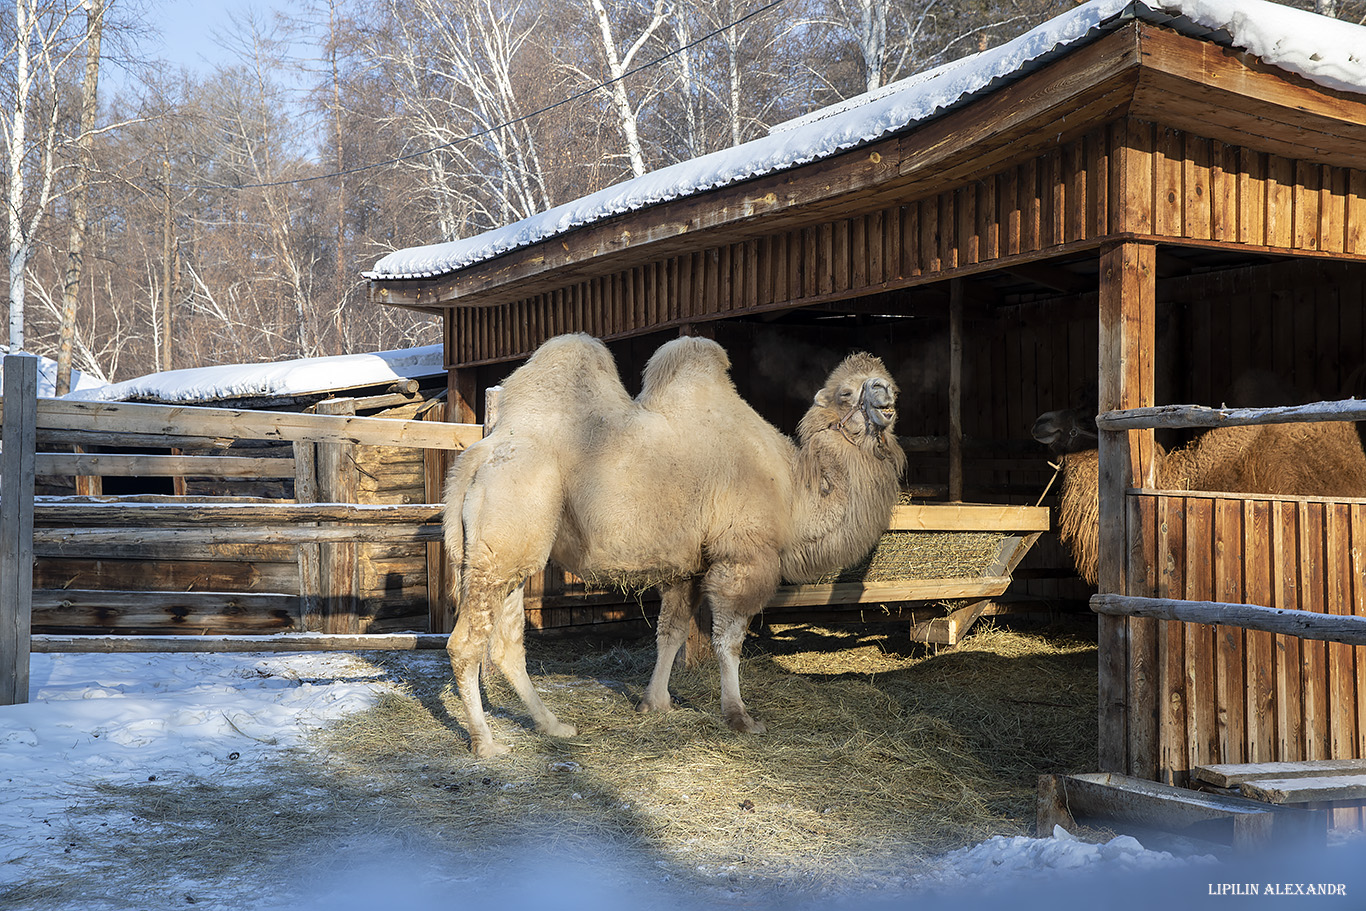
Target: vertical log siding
x=1129 y=178
x=1229 y=695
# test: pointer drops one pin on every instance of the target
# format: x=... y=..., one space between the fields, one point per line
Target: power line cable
x=469 y=137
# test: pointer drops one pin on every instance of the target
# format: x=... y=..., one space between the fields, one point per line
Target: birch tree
x=454 y=70
x=71 y=282
x=39 y=50
x=619 y=62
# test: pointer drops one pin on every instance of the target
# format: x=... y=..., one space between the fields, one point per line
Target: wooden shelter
x=1146 y=207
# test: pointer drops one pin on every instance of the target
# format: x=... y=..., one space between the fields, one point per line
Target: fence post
x=16 y=525
x=340 y=572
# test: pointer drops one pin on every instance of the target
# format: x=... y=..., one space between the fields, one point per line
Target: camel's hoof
x=742 y=723
x=557 y=728
x=650 y=705
x=490 y=749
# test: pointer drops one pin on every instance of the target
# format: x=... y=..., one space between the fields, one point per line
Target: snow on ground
x=130 y=719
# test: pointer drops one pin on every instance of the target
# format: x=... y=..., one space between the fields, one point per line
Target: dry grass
x=879 y=754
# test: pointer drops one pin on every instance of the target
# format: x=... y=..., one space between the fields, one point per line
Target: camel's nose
x=877 y=402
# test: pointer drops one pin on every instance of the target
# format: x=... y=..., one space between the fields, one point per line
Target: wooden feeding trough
x=934 y=552
x=954 y=555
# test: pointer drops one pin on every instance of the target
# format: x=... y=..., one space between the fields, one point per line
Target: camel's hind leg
x=467 y=645
x=677 y=602
x=737 y=592
x=509 y=653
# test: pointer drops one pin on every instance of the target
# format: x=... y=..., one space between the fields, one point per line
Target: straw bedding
x=879 y=755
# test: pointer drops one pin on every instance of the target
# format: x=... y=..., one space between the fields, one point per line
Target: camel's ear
x=822 y=398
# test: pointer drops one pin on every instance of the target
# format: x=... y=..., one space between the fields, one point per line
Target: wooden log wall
x=1228 y=695
x=147 y=579
x=1129 y=177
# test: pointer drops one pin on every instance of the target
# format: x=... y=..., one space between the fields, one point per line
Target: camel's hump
x=686 y=361
x=566 y=371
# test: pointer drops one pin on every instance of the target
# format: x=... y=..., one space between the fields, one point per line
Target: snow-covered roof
x=1326 y=51
x=281 y=379
x=47 y=378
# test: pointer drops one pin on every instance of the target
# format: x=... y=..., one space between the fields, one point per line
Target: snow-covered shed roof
x=47 y=378
x=272 y=381
x=1325 y=51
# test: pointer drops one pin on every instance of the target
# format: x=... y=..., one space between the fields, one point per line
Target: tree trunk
x=71 y=283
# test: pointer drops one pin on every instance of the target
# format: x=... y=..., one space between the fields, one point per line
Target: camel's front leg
x=677 y=602
x=737 y=592
x=509 y=653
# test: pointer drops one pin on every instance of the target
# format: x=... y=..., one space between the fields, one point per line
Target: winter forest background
x=171 y=219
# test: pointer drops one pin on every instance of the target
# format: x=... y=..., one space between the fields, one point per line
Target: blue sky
x=189 y=28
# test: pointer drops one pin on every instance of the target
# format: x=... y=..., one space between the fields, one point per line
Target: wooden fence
x=1243 y=629
x=318 y=530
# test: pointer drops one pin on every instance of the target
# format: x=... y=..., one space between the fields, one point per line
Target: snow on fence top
x=272 y=380
x=1325 y=51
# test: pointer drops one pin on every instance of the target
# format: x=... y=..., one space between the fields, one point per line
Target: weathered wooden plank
x=1230 y=685
x=133 y=610
x=1259 y=645
x=18 y=438
x=1173 y=702
x=113 y=513
x=73 y=541
x=1230 y=775
x=112 y=465
x=1173 y=416
x=1314 y=653
x=276 y=642
x=908 y=590
x=1203 y=734
x=1243 y=823
x=1285 y=539
x=1306 y=790
x=218 y=423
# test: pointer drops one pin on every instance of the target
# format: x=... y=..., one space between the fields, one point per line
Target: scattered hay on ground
x=879 y=755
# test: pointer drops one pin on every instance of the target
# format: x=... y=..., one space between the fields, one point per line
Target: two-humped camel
x=685 y=487
x=1315 y=459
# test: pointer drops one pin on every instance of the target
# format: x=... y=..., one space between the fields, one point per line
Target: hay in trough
x=879 y=755
x=901 y=555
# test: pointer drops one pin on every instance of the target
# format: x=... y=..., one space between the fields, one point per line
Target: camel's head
x=859 y=400
x=1070 y=429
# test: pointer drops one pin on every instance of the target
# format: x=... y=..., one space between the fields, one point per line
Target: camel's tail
x=458 y=482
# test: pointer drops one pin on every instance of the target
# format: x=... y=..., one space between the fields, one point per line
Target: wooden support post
x=16 y=525
x=461 y=395
x=310 y=555
x=956 y=390
x=435 y=463
x=1127 y=646
x=338 y=481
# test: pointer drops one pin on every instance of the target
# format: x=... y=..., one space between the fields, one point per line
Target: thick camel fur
x=1314 y=459
x=685 y=487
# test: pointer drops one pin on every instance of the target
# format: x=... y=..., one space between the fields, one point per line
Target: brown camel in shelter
x=685 y=487
x=1323 y=458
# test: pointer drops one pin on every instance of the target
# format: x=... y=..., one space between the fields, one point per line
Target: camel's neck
x=844 y=496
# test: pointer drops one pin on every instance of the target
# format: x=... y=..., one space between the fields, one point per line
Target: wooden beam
x=968 y=517
x=278 y=642
x=50 y=464
x=907 y=590
x=221 y=423
x=56 y=540
x=1186 y=416
x=133 y=610
x=125 y=514
x=1346 y=628
x=1232 y=774
x=18 y=438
